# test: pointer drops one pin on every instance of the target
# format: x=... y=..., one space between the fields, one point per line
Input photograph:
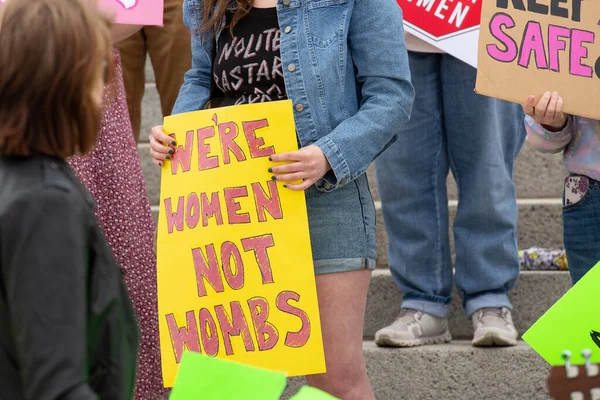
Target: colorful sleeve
x=546 y=141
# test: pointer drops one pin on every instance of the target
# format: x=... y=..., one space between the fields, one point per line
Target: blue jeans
x=478 y=138
x=581 y=222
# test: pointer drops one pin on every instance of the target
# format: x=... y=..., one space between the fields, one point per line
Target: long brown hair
x=51 y=52
x=214 y=11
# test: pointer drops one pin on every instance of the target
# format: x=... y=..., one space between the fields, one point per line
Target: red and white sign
x=449 y=25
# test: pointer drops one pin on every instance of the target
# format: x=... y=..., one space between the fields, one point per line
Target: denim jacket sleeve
x=195 y=91
x=376 y=43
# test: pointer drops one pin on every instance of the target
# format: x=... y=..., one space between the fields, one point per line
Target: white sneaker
x=493 y=327
x=414 y=328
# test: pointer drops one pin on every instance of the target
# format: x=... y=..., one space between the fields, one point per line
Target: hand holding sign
x=548 y=111
x=308 y=165
x=158 y=151
x=526 y=47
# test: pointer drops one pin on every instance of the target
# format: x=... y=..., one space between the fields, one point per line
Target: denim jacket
x=345 y=69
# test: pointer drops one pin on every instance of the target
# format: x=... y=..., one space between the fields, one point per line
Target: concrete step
x=454 y=371
x=539 y=225
x=534 y=293
x=536 y=175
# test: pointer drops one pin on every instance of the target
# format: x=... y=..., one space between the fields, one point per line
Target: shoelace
x=408 y=311
x=493 y=311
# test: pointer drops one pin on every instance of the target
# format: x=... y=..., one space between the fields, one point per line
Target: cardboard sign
x=530 y=47
x=235 y=271
x=134 y=12
x=451 y=26
x=571 y=324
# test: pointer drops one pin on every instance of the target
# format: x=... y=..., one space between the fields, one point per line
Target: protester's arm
x=545 y=140
x=44 y=269
x=549 y=130
x=122 y=32
x=378 y=50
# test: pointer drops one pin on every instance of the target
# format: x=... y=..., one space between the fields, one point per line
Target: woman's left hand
x=308 y=164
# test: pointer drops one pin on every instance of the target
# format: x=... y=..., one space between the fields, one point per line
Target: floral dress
x=113 y=175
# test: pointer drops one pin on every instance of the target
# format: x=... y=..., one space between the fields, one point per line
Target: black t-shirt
x=247 y=66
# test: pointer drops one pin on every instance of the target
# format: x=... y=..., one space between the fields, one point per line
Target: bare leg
x=342 y=303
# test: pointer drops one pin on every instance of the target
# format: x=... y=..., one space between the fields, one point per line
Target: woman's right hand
x=548 y=111
x=158 y=151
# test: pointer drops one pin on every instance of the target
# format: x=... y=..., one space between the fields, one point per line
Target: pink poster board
x=134 y=12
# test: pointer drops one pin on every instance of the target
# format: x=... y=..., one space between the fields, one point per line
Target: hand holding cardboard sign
x=548 y=111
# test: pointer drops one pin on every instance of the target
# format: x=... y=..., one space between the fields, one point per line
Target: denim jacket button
x=288 y=29
x=299 y=107
x=343 y=181
x=291 y=67
x=286 y=2
x=327 y=185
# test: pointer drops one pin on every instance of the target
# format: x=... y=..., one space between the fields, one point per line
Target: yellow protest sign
x=528 y=47
x=235 y=270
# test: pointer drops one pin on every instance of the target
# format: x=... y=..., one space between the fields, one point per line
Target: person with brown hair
x=67 y=326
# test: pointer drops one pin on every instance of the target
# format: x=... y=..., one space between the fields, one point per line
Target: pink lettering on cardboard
x=557 y=42
x=579 y=52
x=533 y=42
x=509 y=53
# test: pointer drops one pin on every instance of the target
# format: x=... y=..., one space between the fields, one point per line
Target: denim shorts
x=342 y=227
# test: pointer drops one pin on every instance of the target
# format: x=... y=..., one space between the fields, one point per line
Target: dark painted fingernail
x=270 y=158
x=168 y=157
x=270 y=169
x=171 y=152
x=274 y=178
x=174 y=143
x=160 y=164
x=285 y=186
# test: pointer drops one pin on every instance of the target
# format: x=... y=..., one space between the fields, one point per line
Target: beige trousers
x=170 y=54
